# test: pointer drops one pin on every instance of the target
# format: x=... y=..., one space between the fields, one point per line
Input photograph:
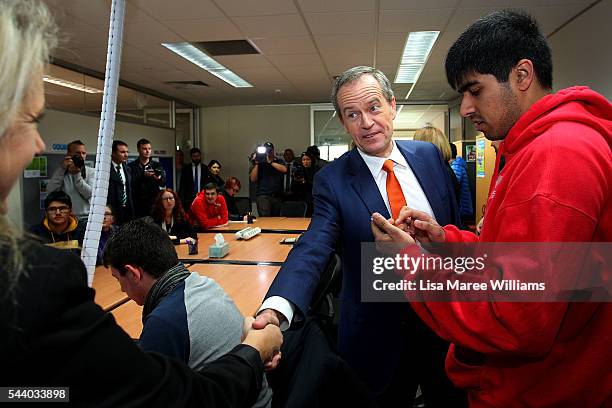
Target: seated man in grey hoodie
x=75 y=179
x=185 y=315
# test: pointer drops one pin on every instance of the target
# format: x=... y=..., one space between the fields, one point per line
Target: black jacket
x=115 y=187
x=145 y=189
x=186 y=192
x=64 y=339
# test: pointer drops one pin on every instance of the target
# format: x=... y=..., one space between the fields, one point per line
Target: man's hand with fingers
x=421 y=226
x=389 y=238
x=268 y=317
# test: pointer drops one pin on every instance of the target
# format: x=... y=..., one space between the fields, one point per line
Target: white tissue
x=219 y=240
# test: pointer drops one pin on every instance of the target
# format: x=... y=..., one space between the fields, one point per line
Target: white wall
x=63 y=127
x=229 y=134
x=581 y=51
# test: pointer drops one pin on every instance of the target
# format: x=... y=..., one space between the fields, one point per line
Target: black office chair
x=295 y=209
x=243 y=204
x=325 y=303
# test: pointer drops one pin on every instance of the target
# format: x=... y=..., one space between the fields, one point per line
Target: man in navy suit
x=120 y=184
x=386 y=344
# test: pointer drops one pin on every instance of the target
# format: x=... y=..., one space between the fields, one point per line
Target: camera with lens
x=149 y=169
x=78 y=161
x=299 y=172
x=262 y=152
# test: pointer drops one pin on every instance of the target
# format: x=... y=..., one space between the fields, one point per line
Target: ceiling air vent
x=187 y=84
x=229 y=47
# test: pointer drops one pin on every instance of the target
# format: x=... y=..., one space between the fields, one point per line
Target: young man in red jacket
x=209 y=208
x=555 y=187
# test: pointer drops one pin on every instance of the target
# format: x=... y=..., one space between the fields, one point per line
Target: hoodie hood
x=576 y=104
x=72 y=225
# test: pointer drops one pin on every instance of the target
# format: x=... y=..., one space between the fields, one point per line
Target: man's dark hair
x=141 y=142
x=453 y=150
x=74 y=143
x=210 y=186
x=194 y=150
x=140 y=243
x=495 y=44
x=58 y=196
x=117 y=143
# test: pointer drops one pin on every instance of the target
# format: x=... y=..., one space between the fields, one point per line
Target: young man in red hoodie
x=209 y=208
x=555 y=187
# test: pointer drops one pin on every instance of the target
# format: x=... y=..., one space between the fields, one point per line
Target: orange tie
x=394 y=190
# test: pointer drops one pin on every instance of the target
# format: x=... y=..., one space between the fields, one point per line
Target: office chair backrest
x=243 y=204
x=293 y=209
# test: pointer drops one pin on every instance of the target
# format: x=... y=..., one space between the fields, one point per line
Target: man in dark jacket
x=148 y=177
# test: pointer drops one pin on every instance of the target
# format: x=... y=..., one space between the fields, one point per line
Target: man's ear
x=524 y=74
x=394 y=107
x=134 y=273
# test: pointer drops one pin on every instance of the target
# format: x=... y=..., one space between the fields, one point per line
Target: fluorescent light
x=70 y=84
x=416 y=52
x=194 y=55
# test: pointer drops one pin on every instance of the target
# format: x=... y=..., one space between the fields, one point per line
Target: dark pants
x=422 y=363
x=268 y=206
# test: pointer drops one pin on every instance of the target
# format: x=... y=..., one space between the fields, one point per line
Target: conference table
x=269 y=224
x=245 y=273
x=108 y=291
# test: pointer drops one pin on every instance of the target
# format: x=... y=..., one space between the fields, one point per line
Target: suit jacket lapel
x=423 y=174
x=364 y=185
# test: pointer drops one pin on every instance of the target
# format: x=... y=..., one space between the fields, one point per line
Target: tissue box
x=218 y=251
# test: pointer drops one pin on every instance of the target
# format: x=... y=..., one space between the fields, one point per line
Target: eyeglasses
x=168 y=198
x=236 y=189
x=62 y=209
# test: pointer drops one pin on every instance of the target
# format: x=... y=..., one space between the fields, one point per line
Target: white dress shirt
x=413 y=193
x=197 y=169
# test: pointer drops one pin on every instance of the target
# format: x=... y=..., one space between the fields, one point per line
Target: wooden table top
x=274 y=223
x=245 y=284
x=260 y=248
x=108 y=291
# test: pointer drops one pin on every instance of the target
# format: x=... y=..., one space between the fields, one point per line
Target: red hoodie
x=209 y=215
x=554 y=187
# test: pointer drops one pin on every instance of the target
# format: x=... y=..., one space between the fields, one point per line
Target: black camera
x=299 y=173
x=78 y=161
x=261 y=154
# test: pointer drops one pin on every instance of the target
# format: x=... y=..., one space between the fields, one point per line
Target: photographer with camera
x=75 y=179
x=267 y=171
x=148 y=177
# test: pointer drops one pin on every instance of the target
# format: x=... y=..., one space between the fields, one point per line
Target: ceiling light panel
x=416 y=51
x=201 y=59
x=71 y=85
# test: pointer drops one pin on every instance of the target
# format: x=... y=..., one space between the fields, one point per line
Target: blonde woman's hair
x=27 y=36
x=436 y=136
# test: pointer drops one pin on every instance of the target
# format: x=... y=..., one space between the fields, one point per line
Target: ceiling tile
x=326 y=6
x=245 y=8
x=271 y=26
x=341 y=23
x=417 y=4
x=292 y=60
x=346 y=43
x=398 y=21
x=204 y=30
x=285 y=45
x=163 y=10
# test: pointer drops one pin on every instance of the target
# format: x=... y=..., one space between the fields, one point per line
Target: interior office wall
x=586 y=59
x=63 y=127
x=229 y=134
